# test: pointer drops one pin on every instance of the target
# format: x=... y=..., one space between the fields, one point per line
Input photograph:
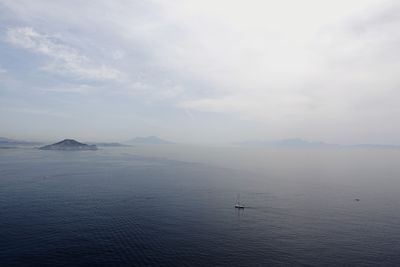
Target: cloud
x=64 y=59
x=256 y=108
x=117 y=54
x=82 y=89
x=37 y=112
x=2 y=70
x=265 y=51
x=312 y=68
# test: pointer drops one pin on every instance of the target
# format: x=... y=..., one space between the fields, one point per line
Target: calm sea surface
x=174 y=206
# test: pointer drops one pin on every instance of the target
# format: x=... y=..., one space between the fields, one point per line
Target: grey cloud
x=64 y=60
x=319 y=69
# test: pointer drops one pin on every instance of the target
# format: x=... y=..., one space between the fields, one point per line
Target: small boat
x=238 y=205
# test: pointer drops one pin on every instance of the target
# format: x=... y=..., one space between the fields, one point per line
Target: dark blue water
x=119 y=208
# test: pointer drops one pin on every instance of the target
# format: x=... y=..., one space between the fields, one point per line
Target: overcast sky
x=201 y=71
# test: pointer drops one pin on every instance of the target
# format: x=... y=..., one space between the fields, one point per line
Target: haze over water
x=172 y=205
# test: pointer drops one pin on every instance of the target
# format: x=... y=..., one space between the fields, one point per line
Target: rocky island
x=70 y=145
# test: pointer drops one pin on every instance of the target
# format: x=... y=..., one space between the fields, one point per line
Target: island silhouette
x=70 y=145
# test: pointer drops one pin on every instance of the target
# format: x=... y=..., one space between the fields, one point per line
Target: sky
x=200 y=71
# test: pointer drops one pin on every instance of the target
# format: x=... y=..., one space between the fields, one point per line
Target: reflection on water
x=174 y=206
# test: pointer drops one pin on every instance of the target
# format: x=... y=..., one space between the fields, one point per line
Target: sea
x=173 y=205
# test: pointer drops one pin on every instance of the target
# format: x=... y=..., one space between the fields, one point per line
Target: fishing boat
x=238 y=205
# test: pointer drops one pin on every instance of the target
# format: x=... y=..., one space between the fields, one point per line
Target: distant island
x=300 y=143
x=12 y=143
x=148 y=140
x=113 y=144
x=69 y=145
x=295 y=142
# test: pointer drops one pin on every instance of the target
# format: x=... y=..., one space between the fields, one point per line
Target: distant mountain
x=295 y=142
x=149 y=140
x=375 y=146
x=7 y=142
x=300 y=143
x=7 y=147
x=69 y=145
x=3 y=139
x=110 y=144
